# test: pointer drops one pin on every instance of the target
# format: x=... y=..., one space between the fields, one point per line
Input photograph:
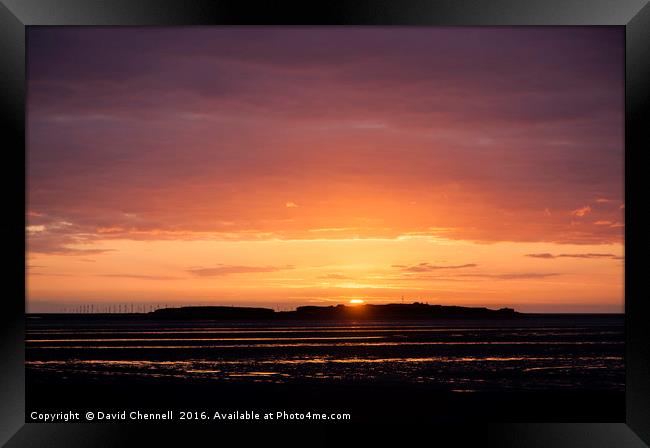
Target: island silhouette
x=414 y=310
x=369 y=312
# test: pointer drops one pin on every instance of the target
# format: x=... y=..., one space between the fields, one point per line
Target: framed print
x=225 y=215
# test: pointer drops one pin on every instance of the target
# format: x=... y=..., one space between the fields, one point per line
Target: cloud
x=465 y=276
x=224 y=269
x=427 y=267
x=334 y=277
x=587 y=255
x=55 y=236
x=517 y=276
x=331 y=229
x=139 y=277
x=47 y=274
x=268 y=94
x=64 y=250
x=543 y=255
x=582 y=211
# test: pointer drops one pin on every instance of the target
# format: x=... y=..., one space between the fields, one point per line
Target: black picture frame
x=634 y=15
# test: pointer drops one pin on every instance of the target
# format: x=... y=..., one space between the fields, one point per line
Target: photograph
x=345 y=223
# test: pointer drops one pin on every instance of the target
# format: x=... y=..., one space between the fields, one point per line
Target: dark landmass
x=366 y=312
x=394 y=311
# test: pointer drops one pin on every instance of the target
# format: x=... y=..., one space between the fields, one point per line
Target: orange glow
x=289 y=167
x=291 y=273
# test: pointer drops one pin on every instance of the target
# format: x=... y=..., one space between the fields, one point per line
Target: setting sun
x=356 y=301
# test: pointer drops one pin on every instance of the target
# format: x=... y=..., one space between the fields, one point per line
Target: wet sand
x=541 y=368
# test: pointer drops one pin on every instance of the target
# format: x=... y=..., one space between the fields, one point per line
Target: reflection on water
x=535 y=354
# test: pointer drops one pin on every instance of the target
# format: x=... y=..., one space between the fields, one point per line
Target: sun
x=356 y=301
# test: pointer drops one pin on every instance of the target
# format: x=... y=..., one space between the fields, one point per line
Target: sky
x=281 y=167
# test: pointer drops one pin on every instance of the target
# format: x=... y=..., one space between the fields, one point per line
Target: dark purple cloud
x=508 y=129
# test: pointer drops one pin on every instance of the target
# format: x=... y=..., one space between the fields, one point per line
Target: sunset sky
x=291 y=166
